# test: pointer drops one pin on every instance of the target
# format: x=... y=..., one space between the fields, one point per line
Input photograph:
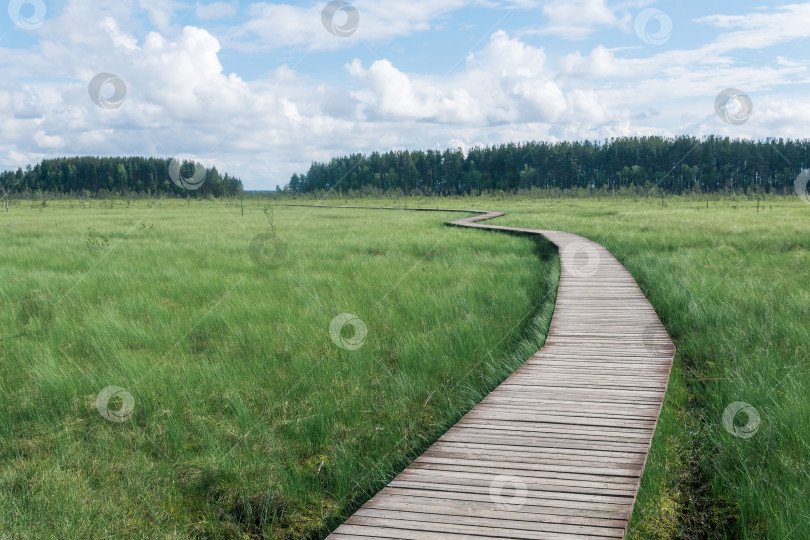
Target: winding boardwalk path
x=558 y=449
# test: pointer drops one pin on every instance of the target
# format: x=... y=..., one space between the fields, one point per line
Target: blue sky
x=261 y=88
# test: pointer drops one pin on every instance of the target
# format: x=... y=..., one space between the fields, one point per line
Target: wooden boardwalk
x=558 y=449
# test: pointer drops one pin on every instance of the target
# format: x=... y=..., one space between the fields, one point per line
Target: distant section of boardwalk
x=558 y=449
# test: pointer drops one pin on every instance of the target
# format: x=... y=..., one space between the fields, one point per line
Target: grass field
x=730 y=283
x=250 y=416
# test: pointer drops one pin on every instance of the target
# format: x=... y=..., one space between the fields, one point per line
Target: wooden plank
x=440 y=529
x=448 y=507
x=391 y=497
x=588 y=454
x=558 y=449
x=468 y=476
x=507 y=522
x=549 y=495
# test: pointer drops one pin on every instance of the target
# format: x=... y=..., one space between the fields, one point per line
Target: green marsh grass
x=249 y=421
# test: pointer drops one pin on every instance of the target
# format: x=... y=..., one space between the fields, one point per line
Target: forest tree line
x=105 y=177
x=643 y=164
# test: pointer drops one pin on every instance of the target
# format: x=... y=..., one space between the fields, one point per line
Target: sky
x=262 y=89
